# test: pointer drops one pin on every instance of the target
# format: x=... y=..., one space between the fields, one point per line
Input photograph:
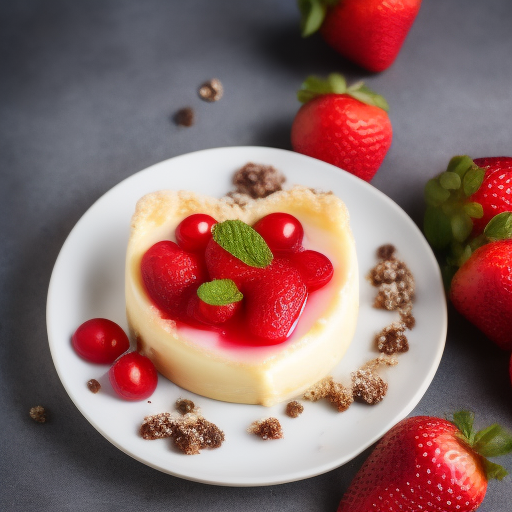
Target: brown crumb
x=211 y=90
x=39 y=414
x=338 y=395
x=93 y=385
x=190 y=433
x=392 y=339
x=195 y=434
x=294 y=409
x=269 y=428
x=185 y=406
x=386 y=252
x=367 y=384
x=184 y=117
x=395 y=284
x=257 y=180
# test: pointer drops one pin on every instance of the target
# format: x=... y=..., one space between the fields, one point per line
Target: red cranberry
x=281 y=231
x=100 y=341
x=194 y=232
x=133 y=377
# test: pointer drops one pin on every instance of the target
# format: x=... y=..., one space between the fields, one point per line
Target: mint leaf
x=219 y=292
x=499 y=227
x=472 y=180
x=243 y=242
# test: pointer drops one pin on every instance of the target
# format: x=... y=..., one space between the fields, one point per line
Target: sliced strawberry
x=481 y=290
x=274 y=301
x=315 y=268
x=170 y=274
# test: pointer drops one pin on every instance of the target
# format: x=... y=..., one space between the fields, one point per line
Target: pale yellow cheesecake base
x=200 y=361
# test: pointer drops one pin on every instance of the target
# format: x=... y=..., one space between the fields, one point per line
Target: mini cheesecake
x=202 y=360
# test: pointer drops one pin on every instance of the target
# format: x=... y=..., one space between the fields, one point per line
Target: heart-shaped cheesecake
x=250 y=304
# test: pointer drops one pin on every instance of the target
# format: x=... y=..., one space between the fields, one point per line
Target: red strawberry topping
x=232 y=279
x=170 y=274
x=274 y=301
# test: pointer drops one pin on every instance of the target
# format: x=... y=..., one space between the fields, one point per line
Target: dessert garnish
x=367 y=384
x=294 y=409
x=338 y=395
x=219 y=272
x=257 y=180
x=392 y=339
x=184 y=117
x=39 y=414
x=93 y=386
x=185 y=406
x=190 y=432
x=100 y=340
x=268 y=428
x=133 y=377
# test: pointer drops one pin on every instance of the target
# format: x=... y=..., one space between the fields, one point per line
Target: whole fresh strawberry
x=345 y=126
x=431 y=464
x=370 y=33
x=481 y=290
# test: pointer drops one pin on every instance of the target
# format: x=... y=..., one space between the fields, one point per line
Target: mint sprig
x=243 y=242
x=335 y=83
x=219 y=292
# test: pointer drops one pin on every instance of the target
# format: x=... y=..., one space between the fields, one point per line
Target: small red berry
x=194 y=232
x=133 y=377
x=100 y=340
x=281 y=231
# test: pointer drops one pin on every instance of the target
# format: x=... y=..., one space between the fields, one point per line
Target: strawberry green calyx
x=450 y=214
x=492 y=441
x=313 y=87
x=313 y=14
x=243 y=242
x=219 y=292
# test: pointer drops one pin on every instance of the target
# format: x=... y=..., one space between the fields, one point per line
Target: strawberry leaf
x=493 y=470
x=464 y=420
x=437 y=228
x=462 y=225
x=460 y=164
x=219 y=292
x=499 y=227
x=361 y=92
x=435 y=194
x=493 y=441
x=243 y=242
x=472 y=180
x=474 y=210
x=313 y=14
x=450 y=180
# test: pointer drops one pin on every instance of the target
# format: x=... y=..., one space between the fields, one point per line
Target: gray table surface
x=88 y=90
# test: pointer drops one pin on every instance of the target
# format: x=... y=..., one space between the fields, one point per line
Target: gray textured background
x=87 y=94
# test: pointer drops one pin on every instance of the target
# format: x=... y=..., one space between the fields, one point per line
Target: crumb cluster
x=184 y=117
x=211 y=90
x=269 y=428
x=338 y=395
x=93 y=385
x=257 y=181
x=392 y=339
x=39 y=414
x=190 y=432
x=294 y=409
x=367 y=384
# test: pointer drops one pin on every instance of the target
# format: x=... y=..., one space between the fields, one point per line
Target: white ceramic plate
x=88 y=281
